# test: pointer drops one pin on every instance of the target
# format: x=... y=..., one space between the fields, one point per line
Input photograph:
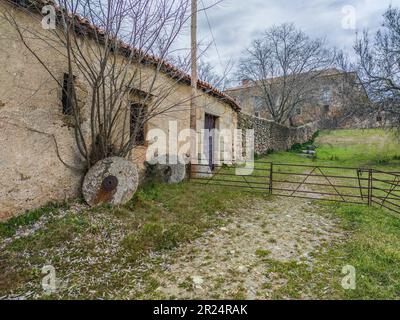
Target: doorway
x=210 y=123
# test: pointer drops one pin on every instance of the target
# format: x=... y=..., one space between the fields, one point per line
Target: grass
x=91 y=248
x=371 y=248
x=263 y=253
x=367 y=147
x=10 y=227
x=373 y=234
x=159 y=217
x=342 y=148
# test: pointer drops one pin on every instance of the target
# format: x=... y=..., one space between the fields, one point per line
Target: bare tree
x=379 y=64
x=206 y=72
x=284 y=65
x=106 y=47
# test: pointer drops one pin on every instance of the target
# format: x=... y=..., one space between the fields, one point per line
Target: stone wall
x=270 y=135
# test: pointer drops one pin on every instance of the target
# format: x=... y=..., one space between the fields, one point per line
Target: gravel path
x=230 y=262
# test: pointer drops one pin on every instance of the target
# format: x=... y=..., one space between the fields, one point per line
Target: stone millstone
x=175 y=173
x=110 y=181
x=166 y=172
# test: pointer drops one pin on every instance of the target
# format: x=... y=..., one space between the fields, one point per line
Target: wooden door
x=210 y=125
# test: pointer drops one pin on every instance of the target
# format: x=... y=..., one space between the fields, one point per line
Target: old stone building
x=35 y=131
x=39 y=155
x=332 y=99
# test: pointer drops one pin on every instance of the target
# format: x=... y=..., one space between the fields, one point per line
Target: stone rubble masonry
x=270 y=135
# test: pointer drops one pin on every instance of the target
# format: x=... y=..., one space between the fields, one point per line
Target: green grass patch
x=263 y=253
x=355 y=148
x=157 y=236
x=372 y=250
x=8 y=229
x=371 y=247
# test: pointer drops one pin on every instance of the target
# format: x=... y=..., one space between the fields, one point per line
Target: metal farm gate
x=340 y=184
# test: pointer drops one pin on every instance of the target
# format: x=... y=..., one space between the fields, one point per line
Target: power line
x=212 y=35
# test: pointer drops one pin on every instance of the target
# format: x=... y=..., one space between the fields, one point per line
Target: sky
x=235 y=23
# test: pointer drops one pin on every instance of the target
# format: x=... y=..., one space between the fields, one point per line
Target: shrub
x=298 y=147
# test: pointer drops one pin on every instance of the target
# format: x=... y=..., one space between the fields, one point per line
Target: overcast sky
x=235 y=23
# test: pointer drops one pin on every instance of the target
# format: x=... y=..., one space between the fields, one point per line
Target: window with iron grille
x=137 y=128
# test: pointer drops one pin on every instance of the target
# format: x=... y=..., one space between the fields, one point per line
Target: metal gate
x=364 y=186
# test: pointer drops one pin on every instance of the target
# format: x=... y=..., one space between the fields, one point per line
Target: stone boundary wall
x=270 y=135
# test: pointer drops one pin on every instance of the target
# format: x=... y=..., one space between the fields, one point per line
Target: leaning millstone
x=110 y=181
x=175 y=173
x=170 y=169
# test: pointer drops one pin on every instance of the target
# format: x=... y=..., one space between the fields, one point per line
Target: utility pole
x=194 y=77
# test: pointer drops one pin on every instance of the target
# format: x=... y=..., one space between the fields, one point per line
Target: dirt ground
x=231 y=262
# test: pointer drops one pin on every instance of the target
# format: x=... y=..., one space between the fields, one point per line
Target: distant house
x=331 y=100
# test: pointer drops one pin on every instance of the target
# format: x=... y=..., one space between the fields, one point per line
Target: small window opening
x=137 y=125
x=68 y=85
